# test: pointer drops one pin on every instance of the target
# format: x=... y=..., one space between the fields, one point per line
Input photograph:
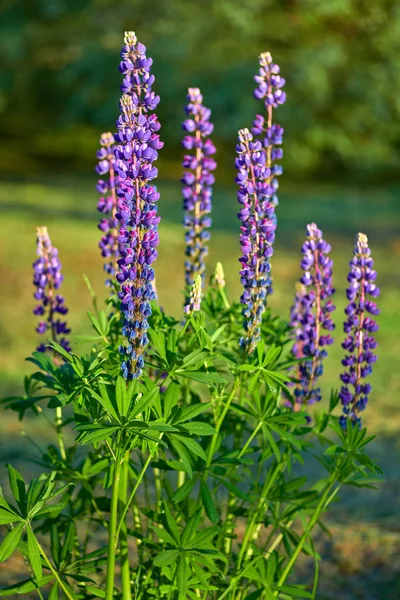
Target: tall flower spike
x=269 y=89
x=359 y=327
x=137 y=145
x=47 y=279
x=197 y=182
x=194 y=303
x=107 y=205
x=257 y=233
x=311 y=316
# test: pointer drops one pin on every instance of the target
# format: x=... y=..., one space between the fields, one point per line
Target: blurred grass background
x=59 y=88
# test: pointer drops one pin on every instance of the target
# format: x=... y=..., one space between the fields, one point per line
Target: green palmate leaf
x=100 y=323
x=8 y=516
x=170 y=398
x=234 y=489
x=106 y=401
x=122 y=396
x=184 y=490
x=97 y=434
x=211 y=509
x=199 y=428
x=295 y=591
x=143 y=403
x=17 y=485
x=11 y=541
x=34 y=553
x=60 y=350
x=204 y=537
x=193 y=446
x=202 y=377
x=54 y=595
x=182 y=575
x=183 y=455
x=254 y=595
x=170 y=523
x=94 y=591
x=25 y=587
x=189 y=412
x=168 y=557
x=190 y=529
x=157 y=339
x=196 y=357
x=164 y=535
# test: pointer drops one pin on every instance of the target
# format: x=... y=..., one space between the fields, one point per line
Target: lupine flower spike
x=197 y=182
x=269 y=89
x=137 y=145
x=219 y=276
x=107 y=205
x=257 y=233
x=311 y=317
x=47 y=279
x=359 y=327
x=194 y=303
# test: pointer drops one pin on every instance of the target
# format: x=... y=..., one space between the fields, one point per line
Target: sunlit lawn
x=69 y=210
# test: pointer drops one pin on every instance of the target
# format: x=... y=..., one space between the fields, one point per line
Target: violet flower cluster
x=197 y=182
x=311 y=317
x=47 y=279
x=359 y=327
x=137 y=145
x=269 y=89
x=257 y=233
x=107 y=205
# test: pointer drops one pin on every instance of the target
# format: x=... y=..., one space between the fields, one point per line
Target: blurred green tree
x=59 y=81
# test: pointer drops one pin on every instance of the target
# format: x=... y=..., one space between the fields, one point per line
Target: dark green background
x=60 y=83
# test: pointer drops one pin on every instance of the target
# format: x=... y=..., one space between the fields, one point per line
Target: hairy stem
x=112 y=532
x=123 y=538
x=56 y=574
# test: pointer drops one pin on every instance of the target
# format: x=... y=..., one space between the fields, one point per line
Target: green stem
x=220 y=421
x=112 y=532
x=322 y=504
x=249 y=533
x=131 y=497
x=60 y=437
x=229 y=526
x=157 y=481
x=56 y=574
x=123 y=538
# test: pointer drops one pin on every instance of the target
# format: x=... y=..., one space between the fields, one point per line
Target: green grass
x=68 y=208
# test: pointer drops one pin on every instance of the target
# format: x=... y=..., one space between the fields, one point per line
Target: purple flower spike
x=47 y=279
x=197 y=182
x=108 y=205
x=269 y=89
x=359 y=327
x=311 y=317
x=257 y=233
x=137 y=145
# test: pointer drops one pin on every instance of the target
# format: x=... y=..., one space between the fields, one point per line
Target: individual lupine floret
x=257 y=233
x=311 y=317
x=137 y=145
x=359 y=327
x=194 y=302
x=47 y=279
x=269 y=89
x=197 y=182
x=107 y=205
